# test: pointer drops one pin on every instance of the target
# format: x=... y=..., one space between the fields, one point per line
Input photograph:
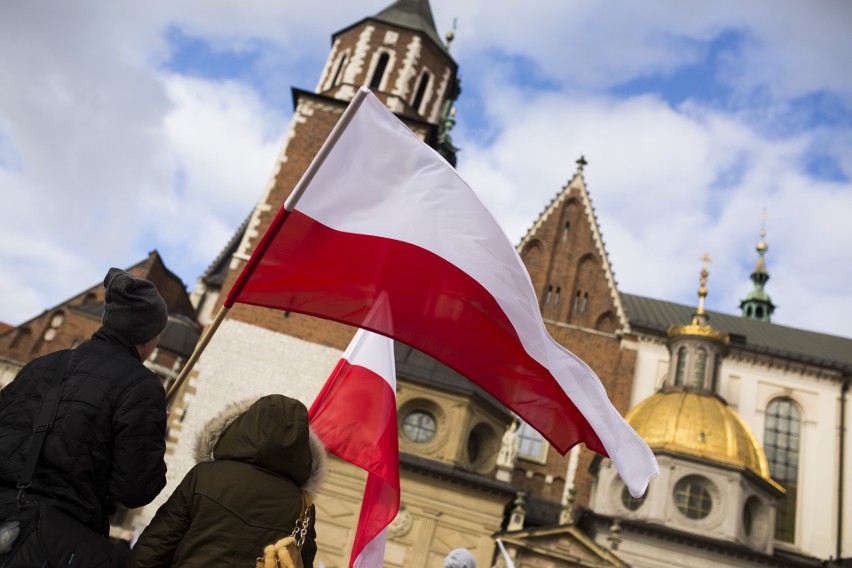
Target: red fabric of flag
x=355 y=417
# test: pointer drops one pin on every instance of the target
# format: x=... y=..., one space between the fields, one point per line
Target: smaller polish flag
x=355 y=417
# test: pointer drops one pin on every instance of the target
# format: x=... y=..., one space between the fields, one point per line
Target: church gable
x=565 y=256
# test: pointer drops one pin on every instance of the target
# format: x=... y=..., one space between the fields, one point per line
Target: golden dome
x=698 y=424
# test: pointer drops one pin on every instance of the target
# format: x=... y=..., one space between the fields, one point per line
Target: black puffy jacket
x=107 y=442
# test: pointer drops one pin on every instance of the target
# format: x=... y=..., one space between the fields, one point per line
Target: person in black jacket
x=107 y=443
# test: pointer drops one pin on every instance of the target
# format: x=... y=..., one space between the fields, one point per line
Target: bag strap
x=301 y=529
x=44 y=421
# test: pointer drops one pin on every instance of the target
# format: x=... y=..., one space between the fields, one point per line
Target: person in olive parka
x=254 y=459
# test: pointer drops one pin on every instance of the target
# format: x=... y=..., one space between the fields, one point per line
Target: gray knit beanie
x=133 y=307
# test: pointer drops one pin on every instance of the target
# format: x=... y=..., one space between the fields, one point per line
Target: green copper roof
x=655 y=316
x=757 y=304
x=758 y=294
x=412 y=14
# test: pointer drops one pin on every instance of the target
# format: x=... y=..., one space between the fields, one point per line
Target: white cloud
x=654 y=176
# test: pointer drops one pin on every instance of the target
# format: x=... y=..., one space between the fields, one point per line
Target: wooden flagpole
x=199 y=348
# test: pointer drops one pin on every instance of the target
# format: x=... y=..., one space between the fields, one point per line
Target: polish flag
x=355 y=417
x=382 y=220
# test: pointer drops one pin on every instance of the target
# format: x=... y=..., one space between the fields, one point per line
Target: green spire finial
x=758 y=305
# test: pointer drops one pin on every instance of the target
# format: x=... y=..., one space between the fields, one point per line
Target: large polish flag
x=381 y=219
x=355 y=417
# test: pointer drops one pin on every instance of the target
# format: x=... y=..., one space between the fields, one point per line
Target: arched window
x=421 y=90
x=549 y=294
x=699 y=368
x=337 y=74
x=585 y=302
x=717 y=362
x=556 y=297
x=781 y=443
x=376 y=81
x=680 y=366
x=565 y=230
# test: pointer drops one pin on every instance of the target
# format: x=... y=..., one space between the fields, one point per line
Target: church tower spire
x=757 y=304
x=412 y=14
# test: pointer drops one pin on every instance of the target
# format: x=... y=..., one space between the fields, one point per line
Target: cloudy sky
x=128 y=127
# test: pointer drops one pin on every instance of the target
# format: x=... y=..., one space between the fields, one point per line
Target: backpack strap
x=44 y=421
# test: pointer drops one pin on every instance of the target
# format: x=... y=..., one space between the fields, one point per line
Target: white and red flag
x=380 y=217
x=355 y=417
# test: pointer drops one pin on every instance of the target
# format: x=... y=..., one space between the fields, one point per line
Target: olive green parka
x=254 y=459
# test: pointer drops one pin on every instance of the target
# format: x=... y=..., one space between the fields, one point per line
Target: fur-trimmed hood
x=272 y=433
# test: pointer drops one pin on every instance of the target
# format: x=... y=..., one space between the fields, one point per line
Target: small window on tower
x=421 y=91
x=338 y=74
x=699 y=368
x=379 y=73
x=717 y=362
x=680 y=366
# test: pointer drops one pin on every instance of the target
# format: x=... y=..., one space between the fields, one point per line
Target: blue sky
x=128 y=128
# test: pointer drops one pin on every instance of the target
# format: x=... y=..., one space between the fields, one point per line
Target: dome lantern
x=696 y=349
